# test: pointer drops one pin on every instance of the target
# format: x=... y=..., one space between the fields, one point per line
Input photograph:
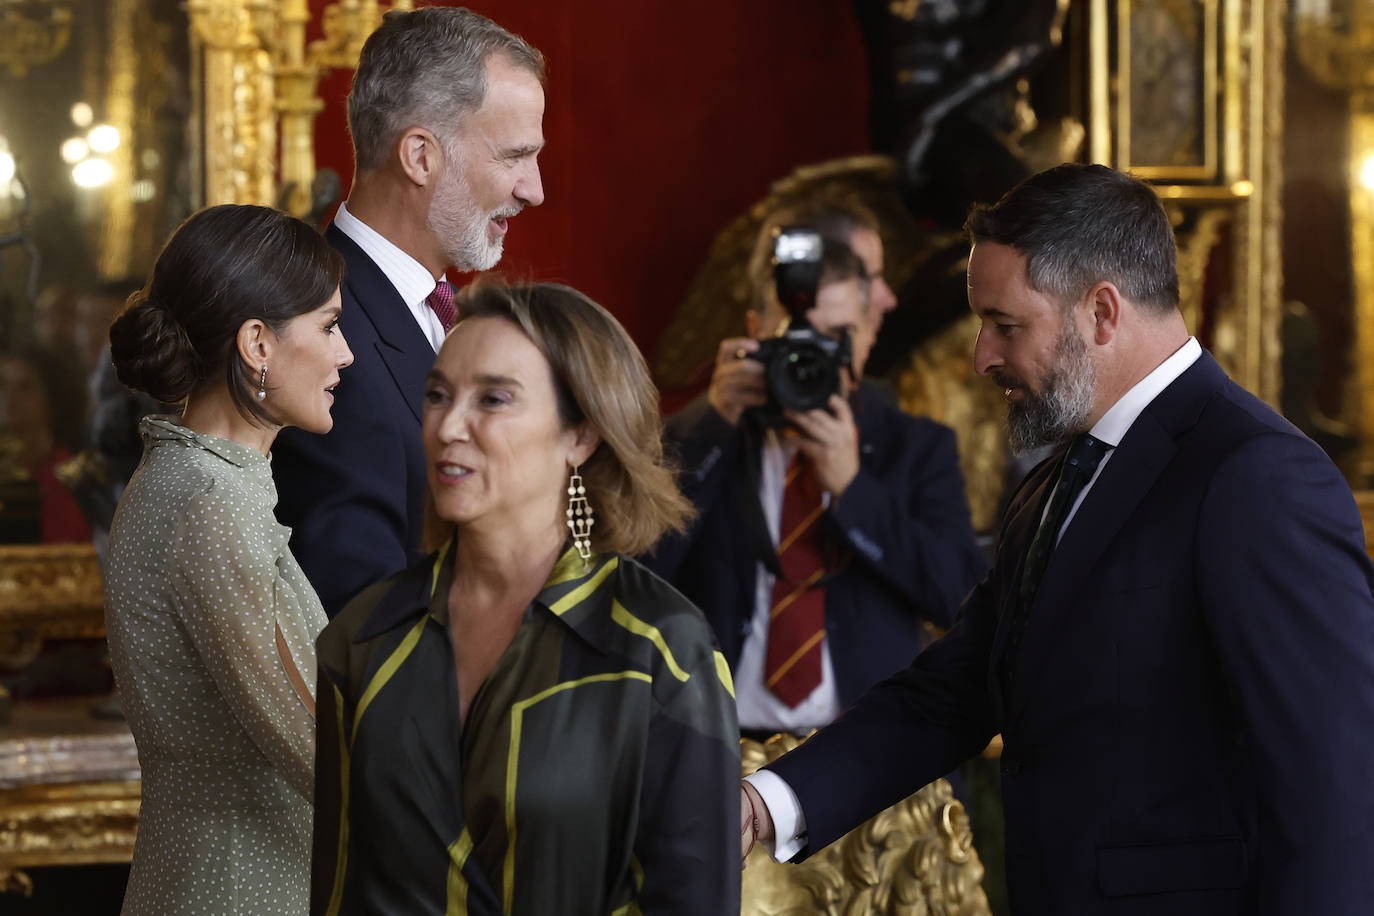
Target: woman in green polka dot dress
x=211 y=623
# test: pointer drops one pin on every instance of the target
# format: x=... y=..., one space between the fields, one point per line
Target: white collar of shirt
x=411 y=278
x=1115 y=423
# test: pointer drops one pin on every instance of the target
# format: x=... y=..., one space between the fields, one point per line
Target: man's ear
x=421 y=156
x=1105 y=306
x=254 y=342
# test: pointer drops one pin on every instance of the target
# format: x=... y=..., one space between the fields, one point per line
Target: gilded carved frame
x=258 y=80
x=1234 y=184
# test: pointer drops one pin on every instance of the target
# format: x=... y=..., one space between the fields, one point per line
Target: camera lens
x=804 y=376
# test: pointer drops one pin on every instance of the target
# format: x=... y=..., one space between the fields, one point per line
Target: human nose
x=986 y=357
x=453 y=424
x=883 y=298
x=345 y=352
x=530 y=189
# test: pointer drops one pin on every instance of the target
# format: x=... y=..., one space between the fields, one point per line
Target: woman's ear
x=584 y=444
x=254 y=343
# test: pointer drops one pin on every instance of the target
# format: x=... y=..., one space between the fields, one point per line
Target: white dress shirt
x=411 y=278
x=789 y=823
x=759 y=708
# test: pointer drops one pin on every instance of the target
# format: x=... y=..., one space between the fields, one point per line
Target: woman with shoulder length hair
x=529 y=721
x=210 y=621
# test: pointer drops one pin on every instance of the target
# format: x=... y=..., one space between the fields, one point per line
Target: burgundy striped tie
x=796 y=626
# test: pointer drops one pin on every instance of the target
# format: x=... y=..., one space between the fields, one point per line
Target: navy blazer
x=902 y=529
x=354 y=497
x=1192 y=727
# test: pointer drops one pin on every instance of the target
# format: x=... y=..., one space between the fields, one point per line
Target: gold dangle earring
x=580 y=517
x=262 y=384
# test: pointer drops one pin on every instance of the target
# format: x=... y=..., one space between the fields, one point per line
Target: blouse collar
x=163 y=430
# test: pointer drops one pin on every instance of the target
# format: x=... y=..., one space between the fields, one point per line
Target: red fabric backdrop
x=664 y=121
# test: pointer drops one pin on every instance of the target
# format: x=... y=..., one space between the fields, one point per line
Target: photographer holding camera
x=832 y=527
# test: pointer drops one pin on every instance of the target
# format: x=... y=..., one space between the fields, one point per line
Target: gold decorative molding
x=69 y=789
x=79 y=824
x=117 y=240
x=50 y=591
x=1196 y=242
x=914 y=859
x=259 y=84
x=1364 y=501
x=1237 y=50
x=27 y=40
x=940 y=383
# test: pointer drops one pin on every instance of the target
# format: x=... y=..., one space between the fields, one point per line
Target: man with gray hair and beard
x=446 y=115
x=1176 y=640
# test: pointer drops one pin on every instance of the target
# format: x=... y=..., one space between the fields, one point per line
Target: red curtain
x=664 y=121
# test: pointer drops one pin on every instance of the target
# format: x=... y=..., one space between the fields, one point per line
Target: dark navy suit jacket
x=354 y=498
x=901 y=531
x=1192 y=727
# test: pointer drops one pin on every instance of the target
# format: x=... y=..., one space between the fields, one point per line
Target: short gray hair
x=425 y=67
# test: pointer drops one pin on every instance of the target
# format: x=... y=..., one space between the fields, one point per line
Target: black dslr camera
x=802 y=366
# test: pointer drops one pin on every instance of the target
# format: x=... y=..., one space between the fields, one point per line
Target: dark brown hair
x=225 y=265
x=1078 y=225
x=600 y=378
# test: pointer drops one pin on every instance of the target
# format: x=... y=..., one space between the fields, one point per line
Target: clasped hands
x=755 y=823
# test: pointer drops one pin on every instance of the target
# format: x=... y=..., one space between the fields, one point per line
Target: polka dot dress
x=212 y=627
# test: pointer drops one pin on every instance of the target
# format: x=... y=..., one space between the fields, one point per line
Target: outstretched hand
x=755 y=823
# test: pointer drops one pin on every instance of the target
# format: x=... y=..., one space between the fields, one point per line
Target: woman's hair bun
x=152 y=352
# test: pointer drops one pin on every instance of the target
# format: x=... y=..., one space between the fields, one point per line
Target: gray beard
x=462 y=229
x=1064 y=405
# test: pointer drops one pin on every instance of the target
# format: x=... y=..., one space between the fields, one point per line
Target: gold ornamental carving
x=32 y=34
x=259 y=92
x=1335 y=42
x=50 y=591
x=69 y=789
x=1211 y=72
x=940 y=383
x=68 y=825
x=914 y=859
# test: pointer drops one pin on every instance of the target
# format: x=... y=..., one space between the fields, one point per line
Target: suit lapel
x=402 y=346
x=1021 y=522
x=1135 y=466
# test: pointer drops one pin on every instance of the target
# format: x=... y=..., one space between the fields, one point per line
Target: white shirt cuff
x=789 y=823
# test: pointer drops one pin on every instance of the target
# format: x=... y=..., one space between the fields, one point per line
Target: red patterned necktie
x=441 y=303
x=796 y=626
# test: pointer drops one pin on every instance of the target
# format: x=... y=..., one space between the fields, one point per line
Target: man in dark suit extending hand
x=1177 y=638
x=446 y=115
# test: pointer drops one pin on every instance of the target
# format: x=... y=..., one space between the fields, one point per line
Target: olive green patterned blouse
x=211 y=625
x=597 y=772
